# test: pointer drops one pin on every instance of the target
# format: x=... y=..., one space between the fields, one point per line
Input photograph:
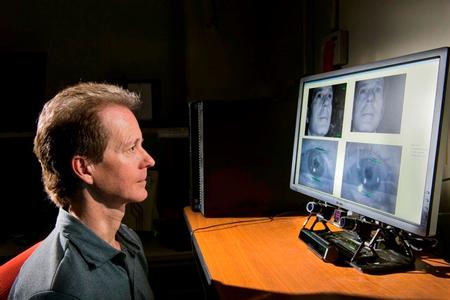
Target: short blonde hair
x=69 y=125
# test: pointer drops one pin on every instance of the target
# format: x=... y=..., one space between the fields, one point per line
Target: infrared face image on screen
x=371 y=175
x=326 y=110
x=378 y=104
x=318 y=163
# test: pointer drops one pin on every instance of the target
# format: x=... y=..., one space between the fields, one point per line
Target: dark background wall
x=191 y=50
x=243 y=49
x=101 y=41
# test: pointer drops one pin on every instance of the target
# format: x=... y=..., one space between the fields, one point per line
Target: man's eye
x=371 y=175
x=133 y=148
x=318 y=161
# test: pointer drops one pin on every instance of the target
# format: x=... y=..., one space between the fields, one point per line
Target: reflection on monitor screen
x=371 y=139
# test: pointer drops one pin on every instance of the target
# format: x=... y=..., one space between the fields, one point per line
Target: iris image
x=318 y=163
x=371 y=175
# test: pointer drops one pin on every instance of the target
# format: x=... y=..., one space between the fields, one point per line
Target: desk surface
x=266 y=256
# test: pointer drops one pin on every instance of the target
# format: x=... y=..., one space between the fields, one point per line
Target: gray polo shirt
x=74 y=263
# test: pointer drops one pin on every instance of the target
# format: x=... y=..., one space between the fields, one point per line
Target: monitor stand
x=370 y=247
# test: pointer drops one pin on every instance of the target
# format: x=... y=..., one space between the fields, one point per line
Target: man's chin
x=368 y=127
x=323 y=130
x=140 y=198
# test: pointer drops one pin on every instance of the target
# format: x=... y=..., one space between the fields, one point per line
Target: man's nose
x=148 y=160
x=371 y=96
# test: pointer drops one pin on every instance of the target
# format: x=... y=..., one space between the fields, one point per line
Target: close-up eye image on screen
x=318 y=164
x=371 y=175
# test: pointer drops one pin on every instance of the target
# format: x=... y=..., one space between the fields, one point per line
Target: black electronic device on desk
x=371 y=140
x=367 y=245
x=240 y=157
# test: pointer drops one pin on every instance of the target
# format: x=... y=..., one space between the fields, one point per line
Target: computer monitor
x=371 y=139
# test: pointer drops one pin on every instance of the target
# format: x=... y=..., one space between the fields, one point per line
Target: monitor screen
x=371 y=139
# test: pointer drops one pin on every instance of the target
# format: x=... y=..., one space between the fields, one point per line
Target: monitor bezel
x=436 y=155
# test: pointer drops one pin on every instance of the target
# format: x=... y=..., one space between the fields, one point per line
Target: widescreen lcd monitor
x=371 y=139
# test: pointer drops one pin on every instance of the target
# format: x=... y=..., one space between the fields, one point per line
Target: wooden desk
x=264 y=259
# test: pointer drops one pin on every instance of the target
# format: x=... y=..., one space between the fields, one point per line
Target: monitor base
x=370 y=247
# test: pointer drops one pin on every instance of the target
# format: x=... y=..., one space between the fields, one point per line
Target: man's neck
x=102 y=220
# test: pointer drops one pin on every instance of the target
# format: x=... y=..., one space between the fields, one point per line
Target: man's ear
x=82 y=168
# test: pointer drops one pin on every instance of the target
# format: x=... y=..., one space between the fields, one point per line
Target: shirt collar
x=92 y=248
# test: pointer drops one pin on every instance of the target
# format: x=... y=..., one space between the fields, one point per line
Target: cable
x=269 y=219
x=446 y=179
x=418 y=243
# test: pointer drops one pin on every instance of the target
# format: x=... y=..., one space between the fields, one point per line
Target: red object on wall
x=328 y=54
x=335 y=50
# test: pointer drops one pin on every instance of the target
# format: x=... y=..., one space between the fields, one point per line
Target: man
x=320 y=109
x=89 y=145
x=368 y=108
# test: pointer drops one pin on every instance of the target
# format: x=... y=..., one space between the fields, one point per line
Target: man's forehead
x=323 y=90
x=372 y=83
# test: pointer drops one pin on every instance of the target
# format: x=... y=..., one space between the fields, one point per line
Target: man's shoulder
x=50 y=262
x=47 y=256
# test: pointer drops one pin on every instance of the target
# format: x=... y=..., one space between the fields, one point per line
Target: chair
x=10 y=269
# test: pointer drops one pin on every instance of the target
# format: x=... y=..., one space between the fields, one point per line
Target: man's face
x=321 y=108
x=121 y=176
x=369 y=105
